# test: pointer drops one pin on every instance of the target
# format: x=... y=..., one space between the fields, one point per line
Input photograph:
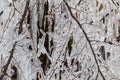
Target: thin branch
x=87 y=38
x=5 y=68
x=79 y=2
x=7 y=24
x=23 y=16
x=115 y=5
x=105 y=42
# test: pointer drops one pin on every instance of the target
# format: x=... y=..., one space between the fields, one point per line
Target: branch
x=8 y=62
x=23 y=16
x=116 y=5
x=85 y=37
x=105 y=42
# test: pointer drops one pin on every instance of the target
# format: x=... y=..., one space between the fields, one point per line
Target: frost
x=59 y=39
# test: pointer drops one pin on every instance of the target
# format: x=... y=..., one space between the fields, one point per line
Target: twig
x=8 y=62
x=87 y=38
x=1 y=13
x=105 y=42
x=79 y=2
x=7 y=24
x=115 y=5
x=23 y=16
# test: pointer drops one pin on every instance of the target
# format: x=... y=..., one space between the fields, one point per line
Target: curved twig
x=87 y=38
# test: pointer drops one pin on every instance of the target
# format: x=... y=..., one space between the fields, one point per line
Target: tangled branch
x=85 y=37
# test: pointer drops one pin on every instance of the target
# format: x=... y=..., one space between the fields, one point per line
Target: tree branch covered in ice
x=59 y=39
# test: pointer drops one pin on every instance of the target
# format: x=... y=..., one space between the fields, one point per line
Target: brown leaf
x=101 y=7
x=97 y=3
x=77 y=15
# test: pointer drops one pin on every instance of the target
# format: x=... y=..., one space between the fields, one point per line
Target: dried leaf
x=101 y=7
x=97 y=3
x=77 y=15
